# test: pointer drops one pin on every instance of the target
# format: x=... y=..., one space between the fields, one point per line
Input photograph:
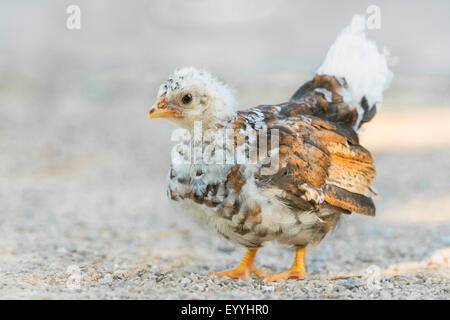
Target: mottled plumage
x=323 y=173
x=322 y=170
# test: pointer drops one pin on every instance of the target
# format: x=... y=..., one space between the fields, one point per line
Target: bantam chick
x=283 y=172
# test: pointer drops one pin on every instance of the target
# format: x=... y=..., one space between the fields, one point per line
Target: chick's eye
x=187 y=98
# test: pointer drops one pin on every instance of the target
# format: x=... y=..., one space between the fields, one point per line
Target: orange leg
x=297 y=270
x=244 y=269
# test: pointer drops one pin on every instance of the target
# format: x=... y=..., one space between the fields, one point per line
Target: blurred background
x=83 y=170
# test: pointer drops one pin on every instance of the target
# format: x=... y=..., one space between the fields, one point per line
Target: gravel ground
x=84 y=215
x=83 y=208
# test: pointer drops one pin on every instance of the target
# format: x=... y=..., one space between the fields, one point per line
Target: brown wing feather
x=318 y=155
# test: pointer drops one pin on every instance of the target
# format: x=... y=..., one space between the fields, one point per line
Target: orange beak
x=161 y=110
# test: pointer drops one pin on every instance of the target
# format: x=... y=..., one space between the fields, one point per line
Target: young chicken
x=313 y=171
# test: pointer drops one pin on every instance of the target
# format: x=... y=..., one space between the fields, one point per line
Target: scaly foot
x=244 y=270
x=285 y=275
x=239 y=272
x=297 y=271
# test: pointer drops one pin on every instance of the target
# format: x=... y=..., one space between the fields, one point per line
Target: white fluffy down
x=358 y=60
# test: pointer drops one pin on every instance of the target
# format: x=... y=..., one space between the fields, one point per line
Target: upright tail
x=353 y=76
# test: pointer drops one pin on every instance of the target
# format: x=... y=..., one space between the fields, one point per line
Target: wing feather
x=319 y=156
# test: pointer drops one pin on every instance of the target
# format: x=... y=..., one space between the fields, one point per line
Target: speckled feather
x=323 y=173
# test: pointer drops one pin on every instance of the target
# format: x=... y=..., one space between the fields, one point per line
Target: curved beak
x=161 y=110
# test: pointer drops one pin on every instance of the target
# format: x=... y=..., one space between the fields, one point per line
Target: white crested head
x=190 y=95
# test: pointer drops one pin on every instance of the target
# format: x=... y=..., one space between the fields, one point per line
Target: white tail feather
x=358 y=60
